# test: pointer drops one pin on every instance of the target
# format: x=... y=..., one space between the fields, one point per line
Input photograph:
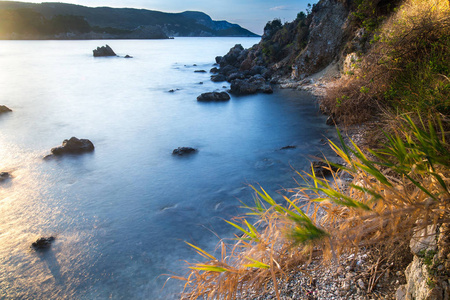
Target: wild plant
x=396 y=190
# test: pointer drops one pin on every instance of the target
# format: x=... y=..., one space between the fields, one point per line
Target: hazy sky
x=250 y=14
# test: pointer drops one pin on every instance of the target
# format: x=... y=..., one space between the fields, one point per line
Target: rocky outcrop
x=43 y=243
x=180 y=151
x=213 y=96
x=103 y=51
x=250 y=85
x=73 y=146
x=427 y=275
x=4 y=109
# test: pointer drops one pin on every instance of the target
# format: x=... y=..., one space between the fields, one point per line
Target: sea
x=121 y=215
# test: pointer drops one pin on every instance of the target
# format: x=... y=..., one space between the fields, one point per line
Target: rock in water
x=213 y=96
x=4 y=176
x=104 y=51
x=74 y=146
x=43 y=243
x=4 y=109
x=183 y=150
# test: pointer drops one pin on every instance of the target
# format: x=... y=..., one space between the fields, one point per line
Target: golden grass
x=403 y=191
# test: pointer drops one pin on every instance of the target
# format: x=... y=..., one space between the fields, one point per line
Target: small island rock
x=43 y=243
x=183 y=150
x=4 y=109
x=103 y=51
x=128 y=56
x=213 y=96
x=74 y=146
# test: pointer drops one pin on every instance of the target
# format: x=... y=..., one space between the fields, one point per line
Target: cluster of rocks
x=245 y=76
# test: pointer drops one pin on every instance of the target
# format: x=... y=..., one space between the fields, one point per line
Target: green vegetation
x=31 y=20
x=399 y=186
x=407 y=68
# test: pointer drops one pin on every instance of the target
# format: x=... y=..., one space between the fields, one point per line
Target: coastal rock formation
x=42 y=243
x=249 y=86
x=4 y=176
x=103 y=51
x=183 y=150
x=213 y=96
x=73 y=146
x=4 y=109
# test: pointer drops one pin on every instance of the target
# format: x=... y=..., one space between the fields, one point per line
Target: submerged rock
x=128 y=56
x=199 y=71
x=74 y=146
x=4 y=109
x=103 y=51
x=42 y=243
x=288 y=147
x=183 y=150
x=213 y=96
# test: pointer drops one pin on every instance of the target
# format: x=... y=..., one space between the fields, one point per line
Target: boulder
x=42 y=243
x=233 y=76
x=227 y=70
x=103 y=51
x=213 y=96
x=4 y=176
x=322 y=168
x=243 y=87
x=183 y=150
x=218 y=78
x=73 y=146
x=249 y=86
x=218 y=59
x=199 y=71
x=214 y=70
x=4 y=109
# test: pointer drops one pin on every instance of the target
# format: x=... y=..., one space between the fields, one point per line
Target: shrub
x=407 y=69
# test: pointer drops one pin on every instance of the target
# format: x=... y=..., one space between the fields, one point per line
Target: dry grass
x=390 y=199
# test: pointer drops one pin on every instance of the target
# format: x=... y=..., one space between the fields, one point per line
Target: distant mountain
x=22 y=20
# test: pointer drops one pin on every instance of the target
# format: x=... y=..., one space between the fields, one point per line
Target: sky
x=250 y=14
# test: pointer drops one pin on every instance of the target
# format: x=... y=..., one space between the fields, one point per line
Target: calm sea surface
x=121 y=214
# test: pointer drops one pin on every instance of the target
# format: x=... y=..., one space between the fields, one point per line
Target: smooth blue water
x=121 y=214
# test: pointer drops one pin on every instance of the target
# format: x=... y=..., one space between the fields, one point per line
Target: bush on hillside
x=408 y=67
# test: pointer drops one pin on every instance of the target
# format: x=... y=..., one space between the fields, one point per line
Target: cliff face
x=330 y=31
